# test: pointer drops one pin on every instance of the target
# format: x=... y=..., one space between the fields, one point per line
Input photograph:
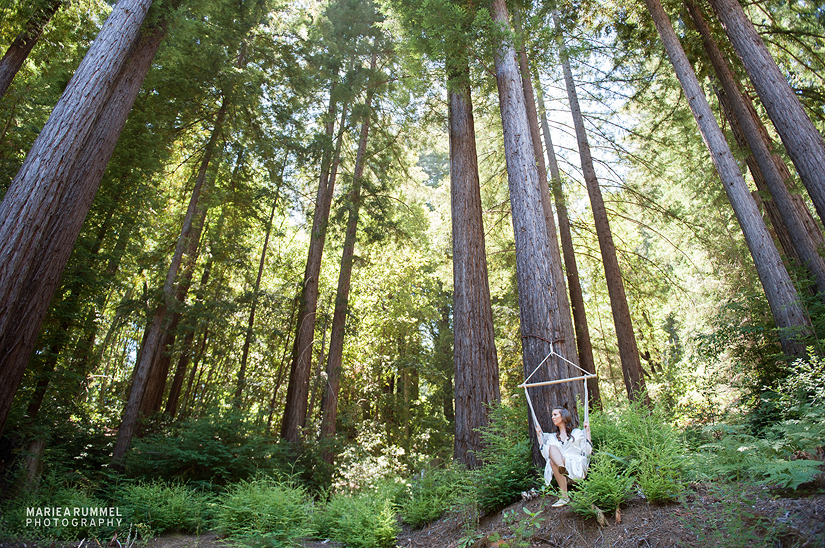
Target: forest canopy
x=330 y=240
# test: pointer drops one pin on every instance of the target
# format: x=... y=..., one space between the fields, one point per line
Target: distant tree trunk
x=801 y=139
x=474 y=350
x=771 y=177
x=159 y=324
x=44 y=208
x=251 y=323
x=329 y=402
x=628 y=351
x=583 y=343
x=301 y=363
x=789 y=316
x=566 y=346
x=24 y=43
x=540 y=323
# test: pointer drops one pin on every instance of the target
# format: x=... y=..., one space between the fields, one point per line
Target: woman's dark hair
x=566 y=417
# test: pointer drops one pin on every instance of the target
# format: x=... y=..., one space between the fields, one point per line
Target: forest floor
x=708 y=516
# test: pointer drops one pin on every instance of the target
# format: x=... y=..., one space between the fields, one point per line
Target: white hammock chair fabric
x=577 y=474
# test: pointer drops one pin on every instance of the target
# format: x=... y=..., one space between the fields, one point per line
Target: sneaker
x=561 y=502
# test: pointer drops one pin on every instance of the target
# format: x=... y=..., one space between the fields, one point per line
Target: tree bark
x=771 y=176
x=628 y=351
x=790 y=318
x=45 y=206
x=158 y=325
x=329 y=402
x=301 y=363
x=801 y=139
x=583 y=343
x=540 y=324
x=474 y=350
x=19 y=50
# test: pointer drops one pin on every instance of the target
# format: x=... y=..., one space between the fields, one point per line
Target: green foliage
x=365 y=519
x=53 y=493
x=434 y=492
x=218 y=448
x=369 y=461
x=264 y=512
x=608 y=483
x=508 y=462
x=163 y=506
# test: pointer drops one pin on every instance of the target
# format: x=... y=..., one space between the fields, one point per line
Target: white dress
x=575 y=450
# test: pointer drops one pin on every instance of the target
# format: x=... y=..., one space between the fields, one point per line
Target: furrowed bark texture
x=801 y=139
x=782 y=297
x=540 y=327
x=474 y=351
x=44 y=208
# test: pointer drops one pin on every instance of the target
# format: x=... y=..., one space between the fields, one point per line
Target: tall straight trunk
x=301 y=363
x=156 y=384
x=251 y=323
x=628 y=350
x=158 y=325
x=566 y=346
x=790 y=318
x=474 y=350
x=774 y=180
x=44 y=208
x=329 y=402
x=20 y=48
x=540 y=324
x=801 y=139
x=583 y=343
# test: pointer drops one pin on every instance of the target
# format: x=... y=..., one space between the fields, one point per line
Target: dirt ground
x=708 y=517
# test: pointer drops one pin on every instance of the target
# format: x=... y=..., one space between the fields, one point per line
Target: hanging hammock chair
x=583 y=378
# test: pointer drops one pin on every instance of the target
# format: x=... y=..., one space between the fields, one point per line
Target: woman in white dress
x=567 y=451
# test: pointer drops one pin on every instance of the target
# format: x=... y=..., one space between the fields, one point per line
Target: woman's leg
x=557 y=460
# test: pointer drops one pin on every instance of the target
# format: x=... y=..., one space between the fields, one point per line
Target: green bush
x=163 y=506
x=508 y=461
x=51 y=495
x=434 y=492
x=264 y=511
x=220 y=448
x=607 y=485
x=360 y=520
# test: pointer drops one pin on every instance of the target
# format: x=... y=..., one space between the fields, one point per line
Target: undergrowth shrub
x=508 y=461
x=162 y=506
x=369 y=462
x=264 y=512
x=607 y=485
x=365 y=519
x=53 y=494
x=219 y=448
x=433 y=492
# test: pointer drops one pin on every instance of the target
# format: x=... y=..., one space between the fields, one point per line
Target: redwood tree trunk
x=789 y=316
x=801 y=139
x=329 y=402
x=21 y=47
x=45 y=206
x=628 y=351
x=540 y=323
x=301 y=364
x=773 y=179
x=157 y=327
x=583 y=343
x=474 y=350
